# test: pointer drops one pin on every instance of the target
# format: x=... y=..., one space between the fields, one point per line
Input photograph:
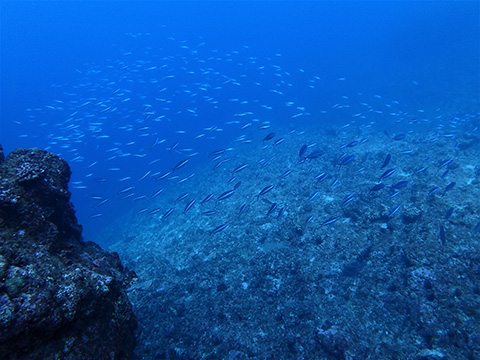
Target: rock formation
x=60 y=297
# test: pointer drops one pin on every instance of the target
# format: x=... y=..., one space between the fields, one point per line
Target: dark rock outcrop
x=60 y=297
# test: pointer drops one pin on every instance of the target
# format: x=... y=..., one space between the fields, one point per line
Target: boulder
x=60 y=297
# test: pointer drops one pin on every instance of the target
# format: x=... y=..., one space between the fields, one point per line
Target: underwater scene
x=240 y=180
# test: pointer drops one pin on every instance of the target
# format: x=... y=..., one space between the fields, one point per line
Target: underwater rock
x=411 y=215
x=60 y=297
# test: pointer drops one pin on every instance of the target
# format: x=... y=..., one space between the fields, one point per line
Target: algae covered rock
x=60 y=297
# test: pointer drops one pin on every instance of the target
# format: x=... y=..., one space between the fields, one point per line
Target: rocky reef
x=60 y=297
x=342 y=272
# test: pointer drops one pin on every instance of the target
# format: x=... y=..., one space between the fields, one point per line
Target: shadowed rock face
x=60 y=297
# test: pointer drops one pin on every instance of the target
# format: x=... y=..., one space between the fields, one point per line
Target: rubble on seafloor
x=391 y=274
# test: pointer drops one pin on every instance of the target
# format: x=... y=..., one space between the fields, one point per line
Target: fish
x=182 y=197
x=315 y=154
x=433 y=190
x=125 y=190
x=269 y=136
x=393 y=194
x=167 y=213
x=209 y=212
x=217 y=152
x=313 y=196
x=377 y=187
x=141 y=211
x=163 y=176
x=218 y=229
x=189 y=206
x=220 y=163
x=399 y=185
x=240 y=168
x=154 y=211
x=346 y=160
x=217 y=158
x=207 y=198
x=387 y=173
x=226 y=195
x=273 y=207
x=393 y=212
x=320 y=177
x=265 y=190
x=399 y=137
x=180 y=164
x=450 y=186
x=173 y=147
x=302 y=151
x=329 y=221
x=186 y=178
x=104 y=201
x=242 y=208
x=309 y=219
x=347 y=199
x=88 y=120
x=264 y=163
x=387 y=160
x=445 y=163
x=156 y=193
x=286 y=173
x=334 y=182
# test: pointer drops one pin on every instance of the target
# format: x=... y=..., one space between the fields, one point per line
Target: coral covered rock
x=60 y=297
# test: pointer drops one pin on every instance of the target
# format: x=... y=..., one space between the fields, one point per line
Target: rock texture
x=60 y=297
x=378 y=283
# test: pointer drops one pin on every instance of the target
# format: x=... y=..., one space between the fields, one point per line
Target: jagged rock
x=411 y=215
x=60 y=297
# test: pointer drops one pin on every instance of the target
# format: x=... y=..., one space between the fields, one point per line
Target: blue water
x=111 y=86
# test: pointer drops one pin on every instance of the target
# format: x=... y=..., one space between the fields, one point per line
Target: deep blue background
x=380 y=47
x=379 y=42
